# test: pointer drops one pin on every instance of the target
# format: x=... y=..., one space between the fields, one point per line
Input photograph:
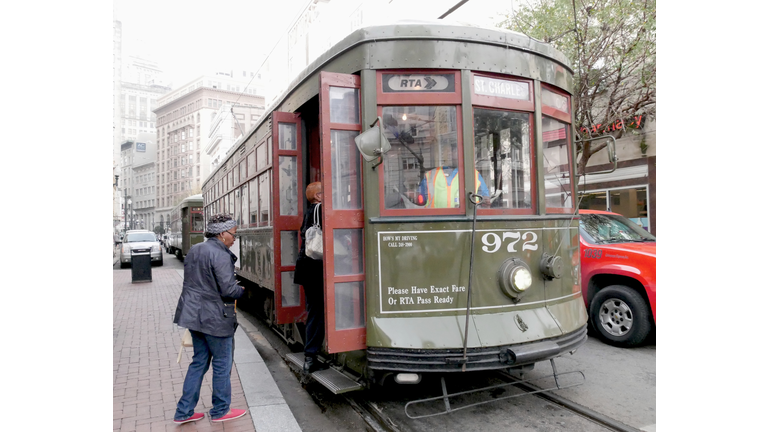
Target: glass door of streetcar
x=340 y=122
x=287 y=205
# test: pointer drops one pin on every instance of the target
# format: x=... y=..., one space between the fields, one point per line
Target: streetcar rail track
x=574 y=407
x=380 y=422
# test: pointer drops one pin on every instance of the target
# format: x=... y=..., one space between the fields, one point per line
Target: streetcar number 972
x=493 y=242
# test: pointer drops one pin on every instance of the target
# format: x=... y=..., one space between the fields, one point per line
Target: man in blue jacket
x=207 y=308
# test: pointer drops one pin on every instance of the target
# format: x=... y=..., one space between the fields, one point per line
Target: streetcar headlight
x=514 y=278
x=521 y=279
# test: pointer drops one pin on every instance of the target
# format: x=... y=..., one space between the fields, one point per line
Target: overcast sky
x=188 y=38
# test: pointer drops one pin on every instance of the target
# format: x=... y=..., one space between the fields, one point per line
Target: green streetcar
x=450 y=233
x=187 y=226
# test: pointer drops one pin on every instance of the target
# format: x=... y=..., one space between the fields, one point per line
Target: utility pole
x=125 y=207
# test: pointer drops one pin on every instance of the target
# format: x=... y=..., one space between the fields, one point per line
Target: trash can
x=141 y=265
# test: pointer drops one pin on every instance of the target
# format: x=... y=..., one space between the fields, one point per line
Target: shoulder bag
x=314 y=236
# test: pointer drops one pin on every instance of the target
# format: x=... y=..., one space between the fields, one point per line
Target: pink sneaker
x=231 y=415
x=193 y=418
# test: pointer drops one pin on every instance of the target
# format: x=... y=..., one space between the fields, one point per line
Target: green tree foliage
x=611 y=45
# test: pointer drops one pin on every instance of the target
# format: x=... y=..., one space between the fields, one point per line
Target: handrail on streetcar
x=475 y=200
x=611 y=148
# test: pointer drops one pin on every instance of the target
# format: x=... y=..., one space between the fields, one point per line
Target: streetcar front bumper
x=490 y=358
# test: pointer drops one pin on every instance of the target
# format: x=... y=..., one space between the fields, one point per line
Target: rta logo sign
x=417 y=83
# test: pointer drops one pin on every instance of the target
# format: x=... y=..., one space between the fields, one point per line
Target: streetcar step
x=331 y=379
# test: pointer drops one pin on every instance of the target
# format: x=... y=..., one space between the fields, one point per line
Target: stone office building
x=185 y=119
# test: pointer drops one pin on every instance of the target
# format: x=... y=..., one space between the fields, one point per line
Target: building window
x=631 y=203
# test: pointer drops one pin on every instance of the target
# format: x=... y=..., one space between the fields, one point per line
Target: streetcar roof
x=186 y=201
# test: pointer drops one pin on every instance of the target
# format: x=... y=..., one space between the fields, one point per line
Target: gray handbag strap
x=315 y=218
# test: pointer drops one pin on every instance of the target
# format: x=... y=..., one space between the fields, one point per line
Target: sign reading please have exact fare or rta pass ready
x=434 y=266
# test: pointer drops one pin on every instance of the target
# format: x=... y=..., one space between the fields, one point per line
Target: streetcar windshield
x=421 y=169
x=608 y=228
x=503 y=157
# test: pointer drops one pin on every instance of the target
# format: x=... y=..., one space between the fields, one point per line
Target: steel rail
x=574 y=407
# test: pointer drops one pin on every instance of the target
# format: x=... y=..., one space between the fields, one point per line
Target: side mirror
x=372 y=143
x=610 y=148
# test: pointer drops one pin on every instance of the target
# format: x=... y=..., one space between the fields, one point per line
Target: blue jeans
x=208 y=350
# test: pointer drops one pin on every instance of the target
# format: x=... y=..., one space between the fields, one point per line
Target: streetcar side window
x=236 y=215
x=557 y=166
x=251 y=165
x=345 y=157
x=243 y=213
x=253 y=199
x=422 y=170
x=265 y=196
x=287 y=170
x=503 y=157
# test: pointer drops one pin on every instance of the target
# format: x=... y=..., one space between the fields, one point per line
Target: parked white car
x=140 y=240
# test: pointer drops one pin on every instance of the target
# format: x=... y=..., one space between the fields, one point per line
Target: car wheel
x=620 y=316
x=123 y=265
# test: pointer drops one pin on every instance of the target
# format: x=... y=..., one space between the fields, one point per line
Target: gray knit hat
x=219 y=223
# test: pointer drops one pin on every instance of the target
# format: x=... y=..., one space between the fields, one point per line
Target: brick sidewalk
x=147 y=381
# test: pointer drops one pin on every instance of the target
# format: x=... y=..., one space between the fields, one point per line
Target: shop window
x=631 y=203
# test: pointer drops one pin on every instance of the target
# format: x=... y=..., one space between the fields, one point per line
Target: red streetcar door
x=340 y=123
x=288 y=208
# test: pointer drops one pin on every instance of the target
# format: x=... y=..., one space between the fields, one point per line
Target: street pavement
x=147 y=380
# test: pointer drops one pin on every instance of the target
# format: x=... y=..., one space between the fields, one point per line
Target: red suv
x=618 y=277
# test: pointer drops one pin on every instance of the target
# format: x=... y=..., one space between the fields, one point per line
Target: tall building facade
x=137 y=85
x=117 y=56
x=137 y=159
x=141 y=88
x=187 y=119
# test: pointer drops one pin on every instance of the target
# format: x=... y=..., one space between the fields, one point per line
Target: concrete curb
x=269 y=411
